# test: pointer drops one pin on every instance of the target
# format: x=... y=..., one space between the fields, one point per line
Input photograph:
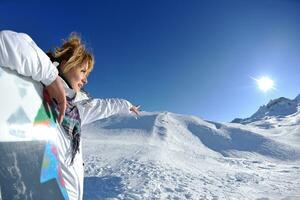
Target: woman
x=74 y=65
x=63 y=72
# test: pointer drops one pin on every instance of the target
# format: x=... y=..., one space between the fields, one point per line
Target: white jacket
x=19 y=52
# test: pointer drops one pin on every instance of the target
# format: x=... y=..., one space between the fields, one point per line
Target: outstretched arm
x=103 y=108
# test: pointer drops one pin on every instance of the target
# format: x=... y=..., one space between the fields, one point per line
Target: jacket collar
x=69 y=91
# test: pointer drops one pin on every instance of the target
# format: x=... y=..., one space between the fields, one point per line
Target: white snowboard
x=34 y=149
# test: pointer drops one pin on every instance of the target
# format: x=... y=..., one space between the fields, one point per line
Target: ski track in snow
x=167 y=163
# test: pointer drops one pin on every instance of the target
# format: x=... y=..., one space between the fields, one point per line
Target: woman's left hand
x=135 y=110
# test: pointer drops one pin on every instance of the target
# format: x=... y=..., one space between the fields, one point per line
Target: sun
x=265 y=83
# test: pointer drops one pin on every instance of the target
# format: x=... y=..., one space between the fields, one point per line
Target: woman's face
x=77 y=76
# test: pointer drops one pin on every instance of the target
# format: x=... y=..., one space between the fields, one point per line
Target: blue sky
x=189 y=57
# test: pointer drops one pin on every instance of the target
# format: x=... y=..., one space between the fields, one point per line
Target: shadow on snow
x=98 y=188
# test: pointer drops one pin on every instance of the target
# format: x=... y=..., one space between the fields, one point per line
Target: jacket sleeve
x=102 y=108
x=19 y=52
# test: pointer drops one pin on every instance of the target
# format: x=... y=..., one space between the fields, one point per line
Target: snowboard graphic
x=33 y=148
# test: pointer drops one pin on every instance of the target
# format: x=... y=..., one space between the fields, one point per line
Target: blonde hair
x=73 y=52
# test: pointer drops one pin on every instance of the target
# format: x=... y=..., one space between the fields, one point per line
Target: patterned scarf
x=71 y=123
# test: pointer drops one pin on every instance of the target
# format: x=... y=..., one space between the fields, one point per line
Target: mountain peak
x=297 y=98
x=279 y=107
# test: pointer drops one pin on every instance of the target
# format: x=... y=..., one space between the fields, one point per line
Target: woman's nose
x=84 y=81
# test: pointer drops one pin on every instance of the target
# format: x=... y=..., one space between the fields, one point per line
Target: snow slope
x=171 y=156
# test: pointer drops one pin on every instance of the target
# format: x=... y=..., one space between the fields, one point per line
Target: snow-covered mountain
x=164 y=155
x=278 y=108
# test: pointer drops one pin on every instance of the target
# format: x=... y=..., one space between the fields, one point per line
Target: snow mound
x=171 y=156
x=184 y=133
